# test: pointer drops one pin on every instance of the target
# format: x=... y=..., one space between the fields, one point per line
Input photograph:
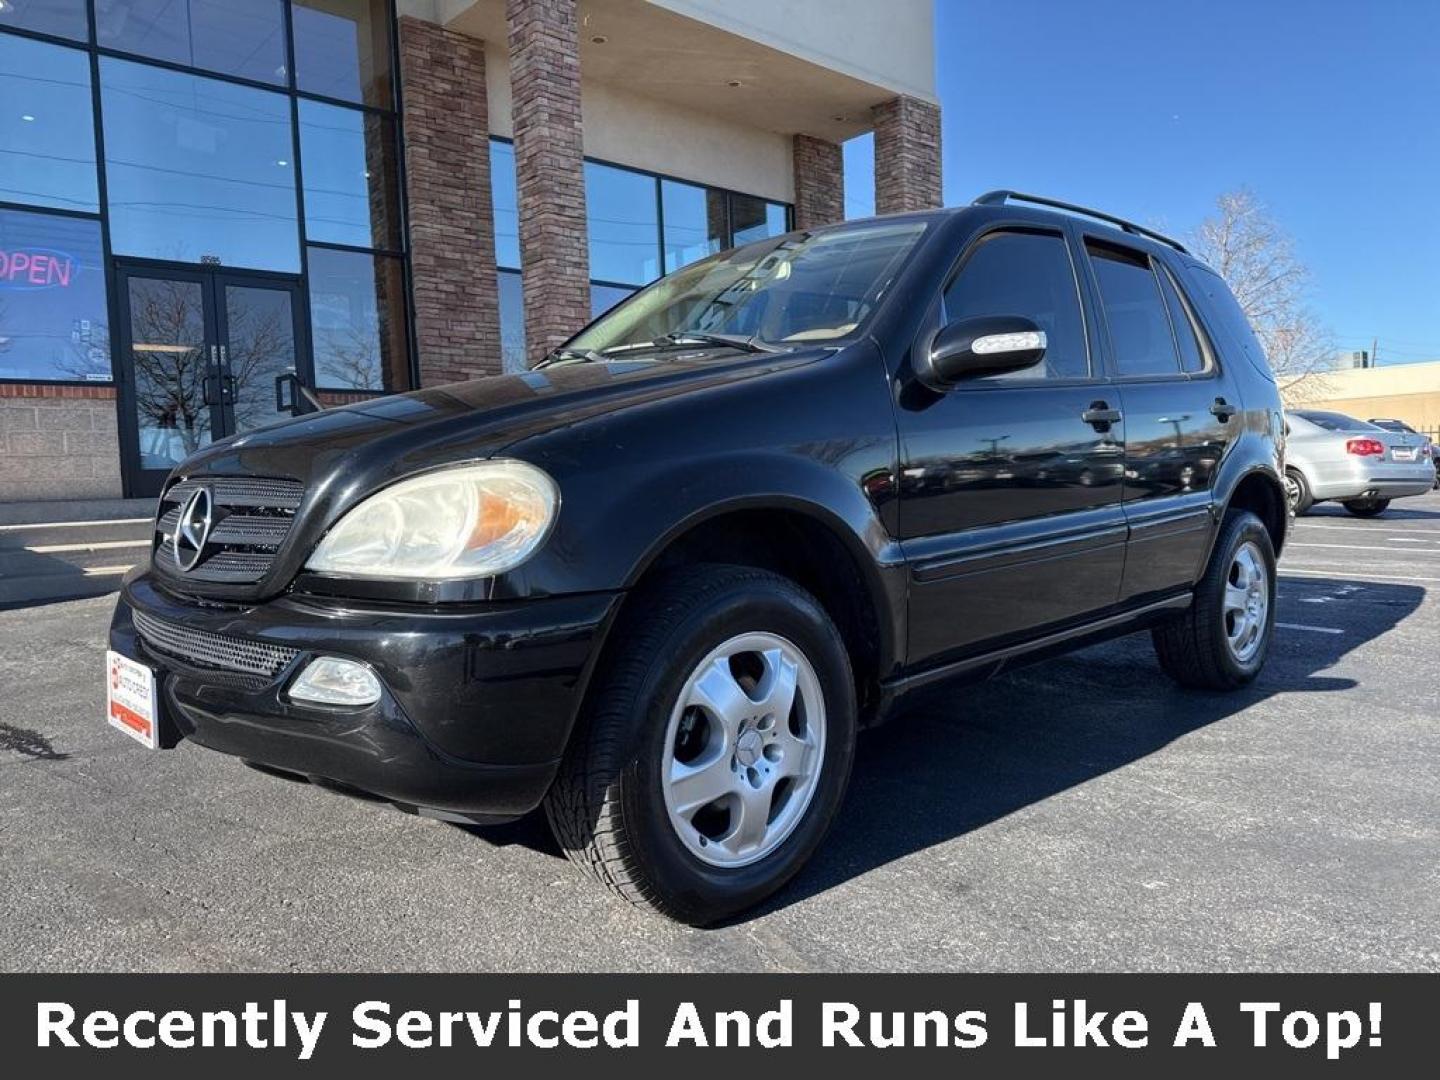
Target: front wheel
x=1367 y=508
x=716 y=747
x=1221 y=642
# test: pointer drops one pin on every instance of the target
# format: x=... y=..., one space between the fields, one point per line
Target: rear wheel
x=716 y=747
x=1221 y=642
x=1297 y=492
x=1367 y=508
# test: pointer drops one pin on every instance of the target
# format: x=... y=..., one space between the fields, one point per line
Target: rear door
x=1010 y=485
x=1181 y=414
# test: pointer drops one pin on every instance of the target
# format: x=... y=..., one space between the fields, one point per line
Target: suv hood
x=341 y=455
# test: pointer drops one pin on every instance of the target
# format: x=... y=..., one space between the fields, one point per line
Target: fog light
x=332 y=681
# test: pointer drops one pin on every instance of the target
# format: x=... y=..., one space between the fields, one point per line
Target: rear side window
x=1187 y=337
x=1139 y=323
x=1334 y=421
x=1028 y=274
x=1219 y=303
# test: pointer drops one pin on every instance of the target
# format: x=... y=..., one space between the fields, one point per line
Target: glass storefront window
x=512 y=322
x=342 y=49
x=47 y=126
x=755 y=219
x=53 y=321
x=604 y=297
x=351 y=185
x=695 y=224
x=357 y=316
x=624 y=225
x=506 y=203
x=63 y=18
x=242 y=39
x=198 y=170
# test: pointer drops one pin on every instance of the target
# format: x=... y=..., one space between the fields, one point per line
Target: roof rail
x=1001 y=197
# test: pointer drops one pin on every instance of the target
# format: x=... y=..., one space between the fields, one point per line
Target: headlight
x=462 y=522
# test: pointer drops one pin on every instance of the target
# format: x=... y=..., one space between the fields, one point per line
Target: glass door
x=200 y=354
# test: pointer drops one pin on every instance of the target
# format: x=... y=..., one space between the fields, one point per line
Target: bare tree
x=1257 y=259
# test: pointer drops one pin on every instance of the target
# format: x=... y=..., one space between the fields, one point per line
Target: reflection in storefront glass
x=198 y=170
x=351 y=188
x=246 y=39
x=357 y=321
x=168 y=353
x=47 y=126
x=53 y=322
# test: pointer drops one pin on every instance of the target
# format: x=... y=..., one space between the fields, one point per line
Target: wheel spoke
x=752 y=813
x=777 y=689
x=719 y=694
x=694 y=786
x=1235 y=597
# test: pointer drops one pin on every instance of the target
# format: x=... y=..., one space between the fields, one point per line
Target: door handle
x=1223 y=409
x=1100 y=416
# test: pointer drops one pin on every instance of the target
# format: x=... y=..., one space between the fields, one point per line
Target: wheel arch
x=1260 y=491
x=811 y=545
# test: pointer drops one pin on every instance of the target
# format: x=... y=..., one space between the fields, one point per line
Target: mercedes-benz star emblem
x=192 y=530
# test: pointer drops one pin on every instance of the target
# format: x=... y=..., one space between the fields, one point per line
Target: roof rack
x=1001 y=197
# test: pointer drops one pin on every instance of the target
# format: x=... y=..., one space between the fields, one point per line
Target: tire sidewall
x=696 y=889
x=1303 y=501
x=1242 y=527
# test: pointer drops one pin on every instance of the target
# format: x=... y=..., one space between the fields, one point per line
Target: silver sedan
x=1333 y=457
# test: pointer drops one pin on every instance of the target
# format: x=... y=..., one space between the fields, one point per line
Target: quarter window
x=1135 y=311
x=1028 y=274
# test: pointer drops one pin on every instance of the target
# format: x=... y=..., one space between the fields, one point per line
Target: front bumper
x=476 y=709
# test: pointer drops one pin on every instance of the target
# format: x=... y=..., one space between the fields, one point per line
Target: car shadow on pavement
x=964 y=757
x=1394 y=513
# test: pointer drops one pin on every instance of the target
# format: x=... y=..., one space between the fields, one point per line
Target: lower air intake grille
x=199 y=648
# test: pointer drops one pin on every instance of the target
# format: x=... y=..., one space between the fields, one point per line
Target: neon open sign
x=36 y=268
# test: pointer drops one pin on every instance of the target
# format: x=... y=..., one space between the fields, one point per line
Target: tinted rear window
x=1334 y=421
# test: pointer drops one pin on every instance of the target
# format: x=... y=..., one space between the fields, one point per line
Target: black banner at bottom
x=712 y=1024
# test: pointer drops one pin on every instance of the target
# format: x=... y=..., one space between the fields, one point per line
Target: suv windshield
x=802 y=287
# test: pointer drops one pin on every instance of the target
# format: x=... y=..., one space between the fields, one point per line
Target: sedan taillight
x=1365 y=447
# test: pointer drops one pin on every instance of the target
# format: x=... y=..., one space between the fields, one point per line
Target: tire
x=1297 y=492
x=1367 y=508
x=610 y=810
x=1197 y=649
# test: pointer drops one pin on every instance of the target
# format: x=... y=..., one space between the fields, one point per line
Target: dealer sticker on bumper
x=130 y=698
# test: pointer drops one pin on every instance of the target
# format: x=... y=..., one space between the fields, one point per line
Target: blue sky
x=1328 y=111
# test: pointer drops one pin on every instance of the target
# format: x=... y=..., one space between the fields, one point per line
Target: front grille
x=218 y=652
x=252 y=517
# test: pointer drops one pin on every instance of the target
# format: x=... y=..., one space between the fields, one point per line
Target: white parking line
x=1386 y=526
x=104 y=571
x=99 y=545
x=75 y=524
x=1312 y=629
x=1352 y=576
x=1340 y=547
x=1411 y=540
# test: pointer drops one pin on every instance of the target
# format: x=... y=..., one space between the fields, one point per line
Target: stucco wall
x=650 y=134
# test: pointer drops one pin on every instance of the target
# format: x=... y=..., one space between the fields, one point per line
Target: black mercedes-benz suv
x=656 y=583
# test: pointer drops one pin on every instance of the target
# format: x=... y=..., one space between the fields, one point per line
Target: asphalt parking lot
x=1079 y=814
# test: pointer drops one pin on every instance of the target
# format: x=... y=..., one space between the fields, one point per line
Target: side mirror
x=979 y=346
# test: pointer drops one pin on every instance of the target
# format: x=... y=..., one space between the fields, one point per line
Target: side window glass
x=1139 y=326
x=1029 y=274
x=1192 y=356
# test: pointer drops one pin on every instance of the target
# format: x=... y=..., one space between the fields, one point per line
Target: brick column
x=819 y=182
x=907 y=155
x=549 y=169
x=452 y=222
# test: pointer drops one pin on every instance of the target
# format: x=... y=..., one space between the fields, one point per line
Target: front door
x=1010 y=488
x=200 y=351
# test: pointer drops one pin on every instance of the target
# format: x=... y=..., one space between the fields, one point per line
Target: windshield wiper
x=734 y=341
x=589 y=356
